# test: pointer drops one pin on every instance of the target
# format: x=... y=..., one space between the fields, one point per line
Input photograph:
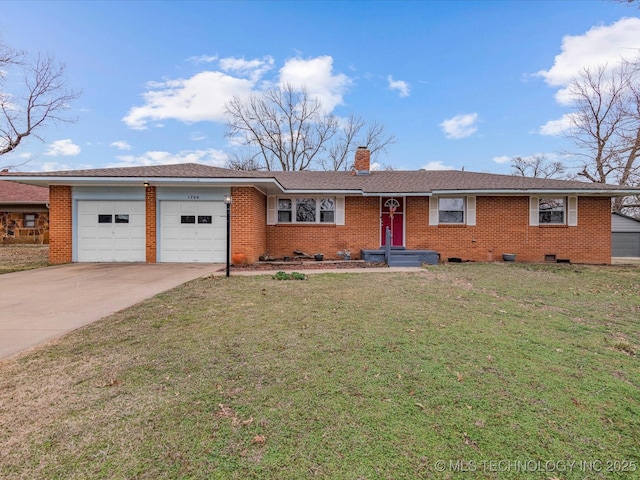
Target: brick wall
x=361 y=230
x=248 y=222
x=150 y=220
x=502 y=226
x=60 y=228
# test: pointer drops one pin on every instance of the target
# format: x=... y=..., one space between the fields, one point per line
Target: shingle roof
x=178 y=170
x=425 y=181
x=395 y=181
x=12 y=192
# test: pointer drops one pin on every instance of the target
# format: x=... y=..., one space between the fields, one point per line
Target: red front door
x=392 y=219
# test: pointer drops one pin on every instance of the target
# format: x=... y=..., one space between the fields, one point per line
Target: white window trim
x=570 y=211
x=338 y=212
x=469 y=210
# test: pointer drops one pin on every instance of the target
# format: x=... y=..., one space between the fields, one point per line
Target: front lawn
x=461 y=371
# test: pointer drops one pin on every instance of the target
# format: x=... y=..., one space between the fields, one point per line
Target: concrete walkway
x=38 y=305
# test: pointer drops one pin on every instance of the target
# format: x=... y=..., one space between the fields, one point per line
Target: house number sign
x=193 y=197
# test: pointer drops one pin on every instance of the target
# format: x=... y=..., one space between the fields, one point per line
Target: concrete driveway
x=38 y=305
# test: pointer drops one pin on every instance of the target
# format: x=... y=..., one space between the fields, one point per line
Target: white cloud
x=437 y=165
x=460 y=126
x=557 y=127
x=601 y=44
x=203 y=96
x=199 y=98
x=197 y=136
x=202 y=59
x=502 y=159
x=64 y=148
x=254 y=69
x=54 y=167
x=400 y=85
x=121 y=145
x=316 y=74
x=215 y=158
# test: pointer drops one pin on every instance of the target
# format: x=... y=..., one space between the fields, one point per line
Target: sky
x=459 y=84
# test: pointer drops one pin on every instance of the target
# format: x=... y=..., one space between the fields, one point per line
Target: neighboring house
x=24 y=213
x=176 y=213
x=625 y=236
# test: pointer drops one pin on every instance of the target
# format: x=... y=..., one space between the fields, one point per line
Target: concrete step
x=404 y=259
x=393 y=262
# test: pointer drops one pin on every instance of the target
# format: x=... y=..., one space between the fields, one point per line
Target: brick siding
x=60 y=224
x=502 y=226
x=361 y=230
x=248 y=222
x=150 y=221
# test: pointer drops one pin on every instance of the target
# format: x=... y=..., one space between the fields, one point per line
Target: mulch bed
x=307 y=265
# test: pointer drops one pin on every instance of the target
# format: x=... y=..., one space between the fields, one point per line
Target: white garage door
x=193 y=232
x=111 y=231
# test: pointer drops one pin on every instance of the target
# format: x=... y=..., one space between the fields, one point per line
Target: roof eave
x=542 y=191
x=141 y=181
x=397 y=194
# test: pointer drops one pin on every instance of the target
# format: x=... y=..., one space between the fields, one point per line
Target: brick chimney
x=362 y=163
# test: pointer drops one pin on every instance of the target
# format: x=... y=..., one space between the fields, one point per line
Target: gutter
x=128 y=181
x=538 y=191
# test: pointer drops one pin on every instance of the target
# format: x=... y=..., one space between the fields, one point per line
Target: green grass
x=346 y=376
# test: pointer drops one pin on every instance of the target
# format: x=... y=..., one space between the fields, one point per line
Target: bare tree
x=245 y=163
x=286 y=129
x=537 y=166
x=605 y=125
x=33 y=94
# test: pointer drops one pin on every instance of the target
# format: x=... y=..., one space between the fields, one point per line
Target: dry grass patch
x=338 y=376
x=17 y=257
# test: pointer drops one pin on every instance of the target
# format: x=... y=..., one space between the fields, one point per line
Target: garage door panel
x=106 y=240
x=625 y=244
x=103 y=207
x=204 y=240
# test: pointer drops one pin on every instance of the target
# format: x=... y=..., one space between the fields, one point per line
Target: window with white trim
x=451 y=210
x=551 y=211
x=306 y=210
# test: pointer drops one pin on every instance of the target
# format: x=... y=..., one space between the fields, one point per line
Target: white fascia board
x=165 y=181
x=321 y=192
x=580 y=192
x=397 y=194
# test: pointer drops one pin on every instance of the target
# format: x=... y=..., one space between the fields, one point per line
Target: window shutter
x=534 y=217
x=339 y=210
x=572 y=212
x=471 y=210
x=272 y=210
x=433 y=210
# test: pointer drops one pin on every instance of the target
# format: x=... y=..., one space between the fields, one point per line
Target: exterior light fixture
x=227 y=201
x=146 y=184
